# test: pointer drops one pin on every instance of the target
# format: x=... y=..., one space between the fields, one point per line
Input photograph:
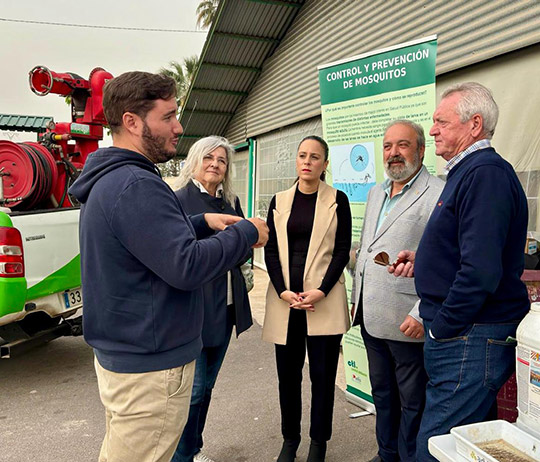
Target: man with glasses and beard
x=386 y=307
x=143 y=270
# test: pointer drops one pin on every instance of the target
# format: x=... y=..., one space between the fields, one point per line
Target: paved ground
x=50 y=409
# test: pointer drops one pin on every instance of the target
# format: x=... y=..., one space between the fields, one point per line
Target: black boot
x=288 y=450
x=317 y=451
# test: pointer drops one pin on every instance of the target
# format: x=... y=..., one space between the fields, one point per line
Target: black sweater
x=299 y=229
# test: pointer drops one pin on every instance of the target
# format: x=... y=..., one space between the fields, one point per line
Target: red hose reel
x=32 y=177
x=38 y=175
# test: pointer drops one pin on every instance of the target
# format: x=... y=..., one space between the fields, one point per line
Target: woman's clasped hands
x=302 y=300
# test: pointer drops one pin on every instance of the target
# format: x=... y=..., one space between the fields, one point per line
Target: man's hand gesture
x=219 y=221
x=405 y=269
x=263 y=231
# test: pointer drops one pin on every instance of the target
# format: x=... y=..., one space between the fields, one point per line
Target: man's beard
x=399 y=172
x=154 y=146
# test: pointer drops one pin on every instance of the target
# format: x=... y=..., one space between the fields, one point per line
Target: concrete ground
x=50 y=408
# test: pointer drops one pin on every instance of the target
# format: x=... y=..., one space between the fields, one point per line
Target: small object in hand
x=399 y=261
x=383 y=259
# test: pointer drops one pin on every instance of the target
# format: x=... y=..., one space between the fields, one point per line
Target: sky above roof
x=80 y=49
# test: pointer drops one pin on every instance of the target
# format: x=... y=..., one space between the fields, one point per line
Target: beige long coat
x=331 y=313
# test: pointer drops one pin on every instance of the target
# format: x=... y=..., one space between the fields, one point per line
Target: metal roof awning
x=243 y=35
x=24 y=123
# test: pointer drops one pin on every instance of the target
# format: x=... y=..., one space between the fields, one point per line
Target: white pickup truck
x=40 y=277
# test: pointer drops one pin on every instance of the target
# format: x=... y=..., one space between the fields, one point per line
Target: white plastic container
x=501 y=434
x=528 y=371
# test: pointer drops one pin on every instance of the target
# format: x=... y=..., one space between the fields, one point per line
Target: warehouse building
x=257 y=83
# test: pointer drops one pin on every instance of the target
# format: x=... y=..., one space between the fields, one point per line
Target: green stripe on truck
x=67 y=277
x=5 y=220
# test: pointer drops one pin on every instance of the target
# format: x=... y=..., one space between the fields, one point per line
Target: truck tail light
x=11 y=253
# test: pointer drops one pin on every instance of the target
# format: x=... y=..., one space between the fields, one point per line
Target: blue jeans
x=206 y=371
x=465 y=374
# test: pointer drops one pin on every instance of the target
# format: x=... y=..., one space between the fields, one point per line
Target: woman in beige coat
x=306 y=305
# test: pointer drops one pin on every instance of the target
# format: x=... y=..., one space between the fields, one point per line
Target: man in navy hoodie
x=143 y=269
x=468 y=266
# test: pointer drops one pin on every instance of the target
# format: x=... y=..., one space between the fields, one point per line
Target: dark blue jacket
x=470 y=258
x=143 y=268
x=216 y=315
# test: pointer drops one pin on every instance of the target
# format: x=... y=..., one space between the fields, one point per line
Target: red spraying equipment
x=38 y=174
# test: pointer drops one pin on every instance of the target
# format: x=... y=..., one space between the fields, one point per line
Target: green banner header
x=399 y=69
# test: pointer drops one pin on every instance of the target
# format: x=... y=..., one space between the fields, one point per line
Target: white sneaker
x=200 y=457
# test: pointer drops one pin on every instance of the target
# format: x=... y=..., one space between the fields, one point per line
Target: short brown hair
x=134 y=92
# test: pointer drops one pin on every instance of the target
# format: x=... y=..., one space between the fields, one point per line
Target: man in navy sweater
x=468 y=266
x=143 y=270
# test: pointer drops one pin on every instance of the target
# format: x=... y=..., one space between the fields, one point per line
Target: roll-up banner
x=359 y=97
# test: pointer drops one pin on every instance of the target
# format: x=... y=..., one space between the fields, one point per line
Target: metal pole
x=251 y=182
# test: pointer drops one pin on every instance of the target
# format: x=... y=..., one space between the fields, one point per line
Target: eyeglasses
x=383 y=259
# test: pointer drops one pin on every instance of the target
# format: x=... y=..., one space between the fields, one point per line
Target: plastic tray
x=468 y=436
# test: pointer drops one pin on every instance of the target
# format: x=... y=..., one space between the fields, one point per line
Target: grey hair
x=194 y=160
x=475 y=99
x=420 y=137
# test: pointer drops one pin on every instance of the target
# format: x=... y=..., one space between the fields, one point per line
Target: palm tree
x=205 y=13
x=190 y=65
x=183 y=75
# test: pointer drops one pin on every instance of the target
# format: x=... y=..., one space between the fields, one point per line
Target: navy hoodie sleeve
x=240 y=213
x=148 y=221
x=485 y=210
x=202 y=230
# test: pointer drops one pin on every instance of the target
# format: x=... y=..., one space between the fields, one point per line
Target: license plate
x=73 y=298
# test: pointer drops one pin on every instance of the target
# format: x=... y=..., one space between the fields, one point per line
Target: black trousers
x=398 y=384
x=323 y=354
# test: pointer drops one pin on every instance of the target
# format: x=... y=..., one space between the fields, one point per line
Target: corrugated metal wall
x=469 y=31
x=237 y=131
